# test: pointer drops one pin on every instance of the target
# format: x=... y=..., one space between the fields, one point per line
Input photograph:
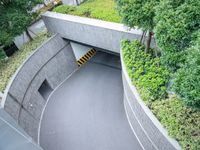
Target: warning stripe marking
x=86 y=57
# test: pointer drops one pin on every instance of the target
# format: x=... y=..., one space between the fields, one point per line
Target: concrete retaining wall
x=145 y=125
x=38 y=76
x=93 y=32
x=72 y=2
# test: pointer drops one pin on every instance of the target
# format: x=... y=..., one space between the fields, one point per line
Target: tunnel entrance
x=87 y=112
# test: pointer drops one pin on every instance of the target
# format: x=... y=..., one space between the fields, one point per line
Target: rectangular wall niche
x=45 y=89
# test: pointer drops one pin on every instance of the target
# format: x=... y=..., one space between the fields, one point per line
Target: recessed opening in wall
x=45 y=89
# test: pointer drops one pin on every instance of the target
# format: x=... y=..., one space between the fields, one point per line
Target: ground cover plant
x=145 y=71
x=181 y=122
x=99 y=9
x=10 y=65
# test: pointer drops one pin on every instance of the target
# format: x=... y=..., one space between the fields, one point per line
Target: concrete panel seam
x=14 y=98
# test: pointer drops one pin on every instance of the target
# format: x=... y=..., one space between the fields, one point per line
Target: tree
x=15 y=17
x=139 y=13
x=187 y=79
x=176 y=21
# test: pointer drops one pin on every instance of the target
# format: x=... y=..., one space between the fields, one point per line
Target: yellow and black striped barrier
x=86 y=57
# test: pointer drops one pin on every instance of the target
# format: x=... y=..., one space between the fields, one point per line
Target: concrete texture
x=93 y=32
x=80 y=50
x=12 y=137
x=145 y=125
x=86 y=112
x=34 y=30
x=72 y=2
x=52 y=63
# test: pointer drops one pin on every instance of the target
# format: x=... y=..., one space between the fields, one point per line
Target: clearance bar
x=86 y=57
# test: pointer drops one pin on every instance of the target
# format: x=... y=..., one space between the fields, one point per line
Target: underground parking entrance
x=86 y=111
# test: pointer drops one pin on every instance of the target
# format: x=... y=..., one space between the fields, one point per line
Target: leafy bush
x=176 y=21
x=187 y=79
x=64 y=9
x=146 y=72
x=181 y=122
x=99 y=9
x=138 y=13
x=10 y=65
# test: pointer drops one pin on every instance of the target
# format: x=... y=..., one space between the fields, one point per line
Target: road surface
x=87 y=112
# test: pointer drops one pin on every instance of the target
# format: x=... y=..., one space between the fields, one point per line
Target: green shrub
x=146 y=72
x=176 y=21
x=187 y=79
x=138 y=13
x=181 y=122
x=65 y=9
x=2 y=54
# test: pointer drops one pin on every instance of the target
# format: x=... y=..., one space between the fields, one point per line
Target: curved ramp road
x=87 y=112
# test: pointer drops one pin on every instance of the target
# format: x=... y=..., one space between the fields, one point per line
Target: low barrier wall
x=38 y=76
x=72 y=2
x=144 y=124
x=93 y=32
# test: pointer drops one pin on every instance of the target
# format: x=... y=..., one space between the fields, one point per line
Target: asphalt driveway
x=87 y=112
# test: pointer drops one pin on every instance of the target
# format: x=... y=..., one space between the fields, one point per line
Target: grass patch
x=8 y=67
x=150 y=79
x=98 y=9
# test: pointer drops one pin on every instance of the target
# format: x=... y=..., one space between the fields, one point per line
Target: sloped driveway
x=87 y=112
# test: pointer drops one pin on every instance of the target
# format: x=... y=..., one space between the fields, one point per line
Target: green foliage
x=64 y=9
x=176 y=21
x=138 y=13
x=10 y=65
x=187 y=78
x=145 y=71
x=2 y=54
x=15 y=17
x=98 y=9
x=181 y=122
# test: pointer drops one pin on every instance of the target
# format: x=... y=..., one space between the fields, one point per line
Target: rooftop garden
x=99 y=9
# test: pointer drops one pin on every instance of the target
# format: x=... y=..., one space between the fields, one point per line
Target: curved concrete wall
x=144 y=124
x=45 y=69
x=93 y=32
